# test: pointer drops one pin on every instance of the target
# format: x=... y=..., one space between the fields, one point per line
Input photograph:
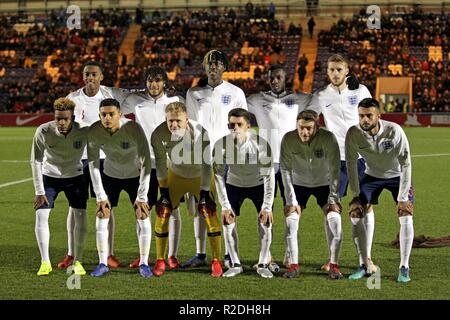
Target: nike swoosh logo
x=21 y=122
x=328 y=105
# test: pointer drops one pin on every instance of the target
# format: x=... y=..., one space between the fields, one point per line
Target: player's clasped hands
x=291 y=209
x=265 y=217
x=142 y=209
x=39 y=200
x=103 y=210
x=228 y=216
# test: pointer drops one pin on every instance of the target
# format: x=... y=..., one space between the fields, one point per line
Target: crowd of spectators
x=177 y=41
x=403 y=40
x=99 y=38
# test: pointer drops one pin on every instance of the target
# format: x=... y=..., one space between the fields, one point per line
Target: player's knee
x=404 y=213
x=357 y=213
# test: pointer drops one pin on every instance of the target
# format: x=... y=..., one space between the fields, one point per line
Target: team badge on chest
x=226 y=99
x=353 y=100
x=124 y=145
x=387 y=145
x=318 y=153
x=77 y=144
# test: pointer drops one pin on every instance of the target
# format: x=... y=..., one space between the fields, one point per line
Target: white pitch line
x=14 y=182
x=430 y=155
x=14 y=161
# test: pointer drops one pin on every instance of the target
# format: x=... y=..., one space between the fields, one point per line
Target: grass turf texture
x=19 y=255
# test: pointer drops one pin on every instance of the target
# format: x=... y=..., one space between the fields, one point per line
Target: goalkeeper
x=183 y=164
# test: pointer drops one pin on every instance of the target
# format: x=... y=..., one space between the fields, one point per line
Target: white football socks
x=406 y=239
x=70 y=225
x=101 y=226
x=174 y=232
x=80 y=232
x=369 y=223
x=200 y=233
x=230 y=235
x=42 y=232
x=145 y=236
x=291 y=232
x=111 y=232
x=359 y=238
x=328 y=235
x=265 y=236
x=335 y=226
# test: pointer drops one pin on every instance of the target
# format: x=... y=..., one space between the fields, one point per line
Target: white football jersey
x=56 y=155
x=87 y=108
x=189 y=155
x=312 y=164
x=276 y=115
x=249 y=165
x=210 y=106
x=386 y=154
x=339 y=109
x=127 y=155
x=149 y=112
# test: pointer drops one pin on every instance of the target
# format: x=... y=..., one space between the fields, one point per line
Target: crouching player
x=127 y=167
x=310 y=163
x=186 y=144
x=385 y=148
x=250 y=175
x=56 y=167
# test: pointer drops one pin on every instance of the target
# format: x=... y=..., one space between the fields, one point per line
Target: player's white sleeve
x=94 y=167
x=78 y=111
x=334 y=163
x=286 y=173
x=146 y=165
x=241 y=100
x=160 y=159
x=269 y=190
x=192 y=107
x=252 y=103
x=181 y=99
x=351 y=156
x=364 y=93
x=205 y=183
x=267 y=171
x=219 y=175
x=37 y=156
x=314 y=104
x=120 y=94
x=404 y=158
x=125 y=106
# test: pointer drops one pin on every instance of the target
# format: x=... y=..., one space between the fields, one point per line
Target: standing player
x=385 y=148
x=310 y=166
x=186 y=144
x=87 y=100
x=338 y=102
x=149 y=108
x=127 y=167
x=209 y=104
x=56 y=166
x=250 y=175
x=275 y=112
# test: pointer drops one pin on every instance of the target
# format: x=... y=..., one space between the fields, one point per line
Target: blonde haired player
x=338 y=103
x=186 y=144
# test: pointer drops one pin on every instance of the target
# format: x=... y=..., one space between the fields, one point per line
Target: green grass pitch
x=19 y=255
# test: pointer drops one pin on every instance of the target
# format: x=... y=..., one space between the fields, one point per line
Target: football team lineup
x=158 y=153
x=91 y=151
